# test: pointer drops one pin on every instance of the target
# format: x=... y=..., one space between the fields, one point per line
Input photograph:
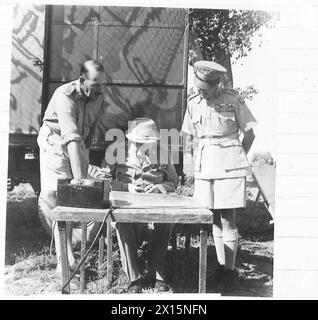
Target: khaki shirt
x=72 y=115
x=138 y=171
x=217 y=124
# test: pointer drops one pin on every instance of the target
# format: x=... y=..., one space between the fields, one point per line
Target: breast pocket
x=226 y=116
x=224 y=123
x=202 y=123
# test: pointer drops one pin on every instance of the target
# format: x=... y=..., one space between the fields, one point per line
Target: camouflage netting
x=26 y=74
x=136 y=46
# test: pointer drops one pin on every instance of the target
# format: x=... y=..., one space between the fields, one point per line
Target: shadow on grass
x=254 y=267
x=26 y=238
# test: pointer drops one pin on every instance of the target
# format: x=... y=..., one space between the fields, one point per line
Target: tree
x=248 y=92
x=224 y=35
x=262 y=158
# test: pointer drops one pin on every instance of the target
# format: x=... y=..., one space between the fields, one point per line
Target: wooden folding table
x=135 y=208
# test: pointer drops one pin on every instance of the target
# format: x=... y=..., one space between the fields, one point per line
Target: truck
x=145 y=55
x=143 y=50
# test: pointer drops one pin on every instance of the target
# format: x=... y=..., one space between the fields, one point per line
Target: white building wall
x=296 y=219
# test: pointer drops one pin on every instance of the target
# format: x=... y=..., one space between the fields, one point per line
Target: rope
x=52 y=238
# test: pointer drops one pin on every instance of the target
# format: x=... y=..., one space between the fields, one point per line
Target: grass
x=30 y=269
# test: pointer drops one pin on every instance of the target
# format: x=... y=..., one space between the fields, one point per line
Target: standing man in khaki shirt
x=216 y=116
x=65 y=137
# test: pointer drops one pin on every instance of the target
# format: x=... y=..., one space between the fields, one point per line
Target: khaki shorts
x=54 y=159
x=221 y=193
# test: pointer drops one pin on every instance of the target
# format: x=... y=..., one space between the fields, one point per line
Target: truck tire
x=47 y=223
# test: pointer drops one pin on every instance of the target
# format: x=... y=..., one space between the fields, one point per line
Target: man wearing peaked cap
x=217 y=116
x=207 y=74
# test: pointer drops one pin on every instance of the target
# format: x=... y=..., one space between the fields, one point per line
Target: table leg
x=83 y=250
x=101 y=250
x=64 y=260
x=174 y=254
x=203 y=259
x=186 y=257
x=256 y=199
x=109 y=254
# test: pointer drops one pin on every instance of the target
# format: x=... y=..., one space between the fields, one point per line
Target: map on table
x=119 y=199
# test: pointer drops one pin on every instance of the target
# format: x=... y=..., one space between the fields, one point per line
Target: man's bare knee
x=48 y=198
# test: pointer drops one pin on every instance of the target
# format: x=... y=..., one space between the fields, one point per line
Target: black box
x=87 y=193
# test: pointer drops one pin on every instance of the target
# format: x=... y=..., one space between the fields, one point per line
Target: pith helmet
x=142 y=130
x=207 y=73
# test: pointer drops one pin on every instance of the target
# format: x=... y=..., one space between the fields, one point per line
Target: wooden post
x=186 y=257
x=101 y=250
x=64 y=260
x=109 y=275
x=174 y=254
x=83 y=250
x=256 y=199
x=203 y=259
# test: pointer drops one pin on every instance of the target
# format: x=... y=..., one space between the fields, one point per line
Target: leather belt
x=220 y=138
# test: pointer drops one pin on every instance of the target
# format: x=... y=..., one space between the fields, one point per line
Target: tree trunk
x=225 y=60
x=194 y=49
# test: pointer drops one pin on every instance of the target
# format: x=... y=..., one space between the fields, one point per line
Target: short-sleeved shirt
x=72 y=115
x=217 y=123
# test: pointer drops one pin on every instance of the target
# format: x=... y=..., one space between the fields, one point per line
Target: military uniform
x=131 y=235
x=140 y=172
x=70 y=116
x=221 y=164
x=216 y=117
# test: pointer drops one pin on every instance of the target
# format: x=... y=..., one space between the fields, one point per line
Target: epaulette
x=70 y=89
x=237 y=94
x=234 y=94
x=193 y=96
x=231 y=91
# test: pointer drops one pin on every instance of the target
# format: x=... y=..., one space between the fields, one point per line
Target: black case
x=80 y=195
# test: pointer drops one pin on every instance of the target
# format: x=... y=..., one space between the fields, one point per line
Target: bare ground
x=30 y=269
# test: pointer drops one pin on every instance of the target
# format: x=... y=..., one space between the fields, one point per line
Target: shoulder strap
x=193 y=96
x=231 y=91
x=70 y=89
